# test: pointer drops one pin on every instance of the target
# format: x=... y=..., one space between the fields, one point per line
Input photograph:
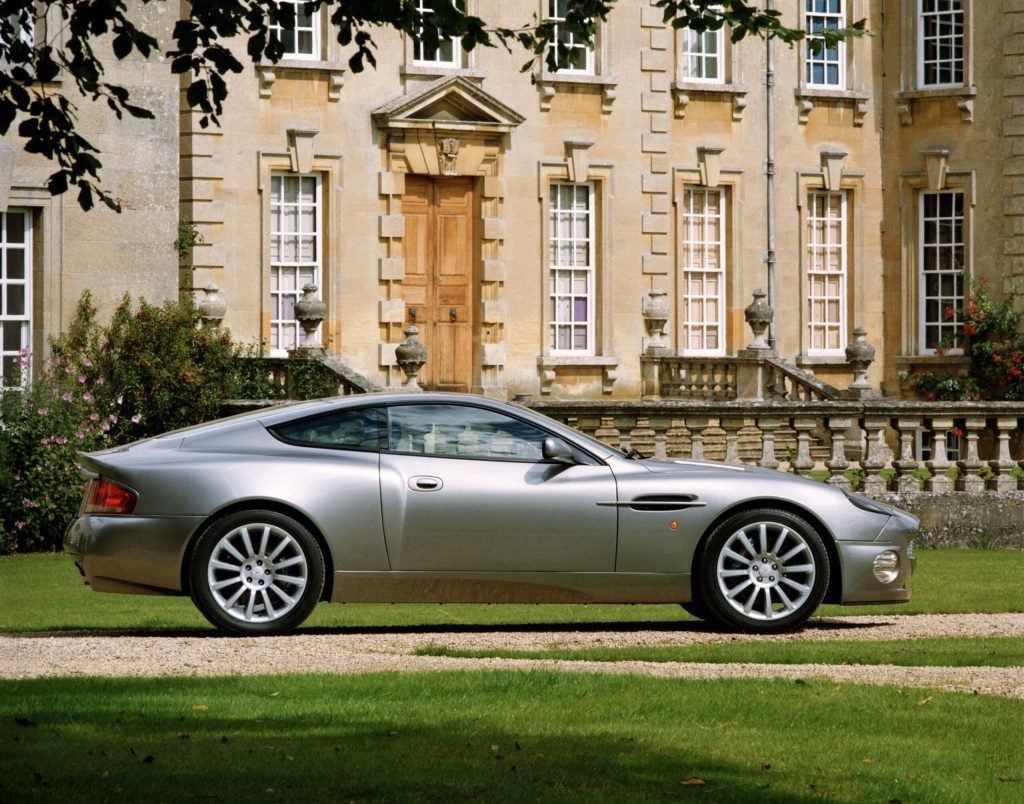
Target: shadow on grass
x=822 y=625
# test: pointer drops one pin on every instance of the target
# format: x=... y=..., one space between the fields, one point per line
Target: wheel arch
x=834 y=591
x=277 y=507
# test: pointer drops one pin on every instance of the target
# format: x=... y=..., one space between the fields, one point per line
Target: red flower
x=969 y=329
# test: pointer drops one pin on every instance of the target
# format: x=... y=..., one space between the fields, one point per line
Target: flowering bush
x=153 y=369
x=45 y=424
x=993 y=341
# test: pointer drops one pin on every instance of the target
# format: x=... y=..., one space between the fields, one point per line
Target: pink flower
x=42 y=411
x=67 y=397
x=87 y=396
x=94 y=417
x=113 y=418
x=136 y=418
x=99 y=381
x=82 y=378
x=88 y=363
x=19 y=525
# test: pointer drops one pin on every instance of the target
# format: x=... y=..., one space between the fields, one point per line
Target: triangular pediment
x=454 y=103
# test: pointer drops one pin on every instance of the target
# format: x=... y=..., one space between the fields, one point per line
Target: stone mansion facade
x=521 y=221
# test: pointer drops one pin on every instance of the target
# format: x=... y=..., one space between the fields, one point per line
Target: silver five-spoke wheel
x=766 y=571
x=257 y=572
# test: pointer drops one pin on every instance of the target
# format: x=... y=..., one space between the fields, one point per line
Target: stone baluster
x=803 y=463
x=1003 y=464
x=660 y=450
x=675 y=439
x=607 y=431
x=768 y=425
x=939 y=463
x=906 y=463
x=837 y=463
x=874 y=462
x=642 y=436
x=697 y=425
x=969 y=480
x=732 y=426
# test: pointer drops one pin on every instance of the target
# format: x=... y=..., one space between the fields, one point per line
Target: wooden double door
x=438 y=285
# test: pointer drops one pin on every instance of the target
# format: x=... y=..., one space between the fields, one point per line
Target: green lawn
x=502 y=736
x=514 y=736
x=45 y=593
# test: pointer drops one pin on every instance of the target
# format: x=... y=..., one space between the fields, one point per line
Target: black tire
x=256 y=573
x=764 y=571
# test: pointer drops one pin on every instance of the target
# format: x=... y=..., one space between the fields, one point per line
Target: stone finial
x=655 y=312
x=410 y=355
x=759 y=317
x=310 y=311
x=860 y=354
x=213 y=307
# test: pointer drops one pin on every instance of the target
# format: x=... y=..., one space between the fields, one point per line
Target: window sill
x=948 y=360
x=269 y=73
x=439 y=71
x=685 y=91
x=837 y=360
x=550 y=364
x=963 y=95
x=549 y=83
x=808 y=97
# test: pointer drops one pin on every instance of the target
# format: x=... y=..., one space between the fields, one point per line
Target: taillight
x=106 y=497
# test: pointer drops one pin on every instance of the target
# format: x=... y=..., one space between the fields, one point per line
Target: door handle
x=453 y=315
x=412 y=314
x=425 y=483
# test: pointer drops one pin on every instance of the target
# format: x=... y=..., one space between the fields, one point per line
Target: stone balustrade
x=875 y=446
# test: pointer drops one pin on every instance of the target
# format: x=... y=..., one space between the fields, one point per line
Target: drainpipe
x=769 y=172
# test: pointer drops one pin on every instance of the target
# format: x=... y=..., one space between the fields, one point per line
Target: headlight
x=867 y=504
x=886 y=566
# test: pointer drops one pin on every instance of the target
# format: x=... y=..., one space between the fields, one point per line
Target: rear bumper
x=141 y=555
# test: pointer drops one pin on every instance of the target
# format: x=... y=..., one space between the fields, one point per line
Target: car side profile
x=458 y=498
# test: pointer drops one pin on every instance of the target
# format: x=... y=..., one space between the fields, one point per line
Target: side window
x=352 y=429
x=463 y=432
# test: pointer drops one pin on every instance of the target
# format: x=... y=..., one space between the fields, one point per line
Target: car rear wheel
x=765 y=571
x=256 y=572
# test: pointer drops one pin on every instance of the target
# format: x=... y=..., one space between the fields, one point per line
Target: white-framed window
x=15 y=293
x=826 y=272
x=579 y=54
x=26 y=35
x=447 y=53
x=940 y=51
x=296 y=252
x=571 y=269
x=702 y=56
x=941 y=258
x=703 y=261
x=826 y=66
x=303 y=41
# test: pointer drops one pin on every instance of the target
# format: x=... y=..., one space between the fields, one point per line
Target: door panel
x=438 y=286
x=454 y=514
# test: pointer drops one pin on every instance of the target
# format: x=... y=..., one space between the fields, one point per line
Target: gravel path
x=390 y=649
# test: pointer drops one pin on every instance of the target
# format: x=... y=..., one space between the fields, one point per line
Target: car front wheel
x=256 y=573
x=765 y=571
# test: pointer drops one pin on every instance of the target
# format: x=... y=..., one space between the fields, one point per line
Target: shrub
x=993 y=342
x=153 y=369
x=45 y=423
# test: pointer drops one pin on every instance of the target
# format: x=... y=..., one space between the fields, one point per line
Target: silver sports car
x=455 y=498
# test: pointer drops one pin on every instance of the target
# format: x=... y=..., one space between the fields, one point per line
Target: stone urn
x=410 y=355
x=655 y=312
x=759 y=317
x=860 y=354
x=213 y=307
x=310 y=311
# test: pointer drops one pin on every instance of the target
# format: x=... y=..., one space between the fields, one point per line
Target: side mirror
x=557 y=451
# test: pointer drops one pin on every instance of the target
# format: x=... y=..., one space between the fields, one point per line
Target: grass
x=505 y=736
x=931 y=652
x=45 y=593
x=513 y=736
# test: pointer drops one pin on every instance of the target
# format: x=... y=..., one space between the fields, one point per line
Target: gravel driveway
x=390 y=649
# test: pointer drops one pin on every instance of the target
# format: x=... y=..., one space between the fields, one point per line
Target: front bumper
x=134 y=554
x=860 y=586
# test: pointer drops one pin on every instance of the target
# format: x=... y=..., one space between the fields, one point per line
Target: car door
x=466 y=489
